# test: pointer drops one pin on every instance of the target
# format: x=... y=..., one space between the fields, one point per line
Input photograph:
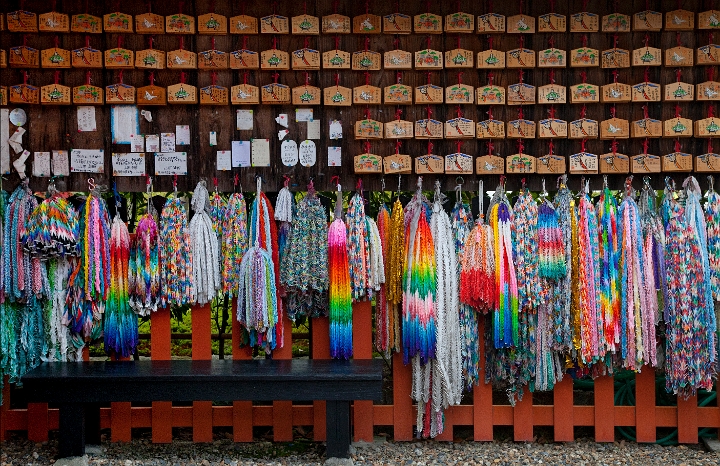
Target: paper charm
x=459 y=128
x=397 y=60
x=399 y=129
x=427 y=23
x=118 y=23
x=459 y=58
x=489 y=164
x=647 y=21
x=149 y=23
x=647 y=56
x=491 y=23
x=706 y=20
x=459 y=94
x=55 y=22
x=55 y=58
x=458 y=164
x=274 y=24
x=460 y=23
x=152 y=59
x=552 y=22
x=679 y=56
x=182 y=93
x=521 y=129
x=22 y=21
x=86 y=24
x=398 y=94
x=367 y=162
x=583 y=128
x=428 y=59
x=244 y=94
x=55 y=94
x=367 y=24
x=679 y=20
x=305 y=25
x=282 y=133
x=244 y=59
x=282 y=120
x=520 y=162
x=308 y=153
x=397 y=23
x=212 y=23
x=336 y=24
x=550 y=163
x=645 y=163
x=24 y=57
x=521 y=24
x=614 y=128
x=616 y=22
x=584 y=22
x=490 y=94
x=429 y=164
x=119 y=93
x=521 y=94
x=615 y=58
x=369 y=129
x=243 y=24
x=289 y=153
x=213 y=60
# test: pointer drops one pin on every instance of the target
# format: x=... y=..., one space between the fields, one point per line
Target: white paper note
x=213 y=138
x=15 y=140
x=60 y=165
x=260 y=152
x=336 y=129
x=147 y=115
x=313 y=129
x=128 y=164
x=152 y=143
x=308 y=153
x=282 y=120
x=303 y=114
x=4 y=145
x=171 y=163
x=282 y=133
x=87 y=161
x=224 y=160
x=289 y=153
x=241 y=154
x=334 y=157
x=244 y=120
x=137 y=143
x=167 y=142
x=41 y=164
x=182 y=135
x=86 y=119
x=124 y=121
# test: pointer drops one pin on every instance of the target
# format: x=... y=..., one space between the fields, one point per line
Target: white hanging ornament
x=308 y=153
x=204 y=249
x=289 y=153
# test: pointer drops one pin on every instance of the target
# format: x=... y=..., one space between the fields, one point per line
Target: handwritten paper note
x=213 y=138
x=308 y=153
x=244 y=120
x=171 y=163
x=336 y=129
x=313 y=129
x=260 y=152
x=224 y=160
x=60 y=163
x=167 y=142
x=152 y=143
x=86 y=119
x=4 y=145
x=87 y=161
x=124 y=122
x=303 y=114
x=41 y=164
x=137 y=143
x=128 y=164
x=182 y=135
x=289 y=153
x=334 y=156
x=241 y=154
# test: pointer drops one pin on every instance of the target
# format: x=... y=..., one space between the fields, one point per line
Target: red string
x=429 y=112
x=305 y=7
x=582 y=145
x=614 y=146
x=245 y=76
x=275 y=77
x=367 y=147
x=521 y=41
x=709 y=146
x=490 y=42
x=152 y=78
x=398 y=114
x=212 y=43
x=615 y=75
x=180 y=6
x=182 y=77
x=429 y=74
x=552 y=112
x=458 y=41
x=396 y=42
x=335 y=180
x=274 y=43
x=552 y=6
x=646 y=40
x=215 y=181
x=427 y=41
x=25 y=77
x=120 y=76
x=551 y=42
x=427 y=6
x=711 y=111
x=57 y=76
x=236 y=179
x=490 y=147
x=490 y=6
x=491 y=77
x=520 y=146
x=286 y=181
x=646 y=144
x=367 y=112
x=552 y=76
x=551 y=146
x=367 y=43
x=521 y=6
x=646 y=113
x=182 y=43
x=337 y=79
x=615 y=40
x=583 y=76
x=677 y=145
x=398 y=77
x=212 y=6
x=307 y=78
x=677 y=110
x=584 y=40
x=150 y=39
x=213 y=78
x=460 y=77
x=490 y=113
x=367 y=7
x=87 y=78
x=335 y=4
x=521 y=73
x=429 y=147
x=613 y=111
x=677 y=39
x=367 y=78
x=458 y=143
x=306 y=42
x=337 y=42
x=398 y=144
x=521 y=114
x=87 y=42
x=583 y=111
x=711 y=73
x=647 y=74
x=584 y=5
x=175 y=178
x=678 y=74
x=459 y=112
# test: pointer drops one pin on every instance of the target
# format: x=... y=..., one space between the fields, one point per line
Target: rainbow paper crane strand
x=174 y=252
x=234 y=242
x=340 y=289
x=712 y=219
x=358 y=249
x=551 y=246
x=561 y=293
x=52 y=229
x=382 y=314
x=525 y=248
x=653 y=246
x=591 y=317
x=609 y=266
x=22 y=273
x=144 y=268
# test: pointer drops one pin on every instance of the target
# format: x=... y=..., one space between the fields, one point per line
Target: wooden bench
x=77 y=386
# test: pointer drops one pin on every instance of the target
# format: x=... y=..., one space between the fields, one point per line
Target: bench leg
x=72 y=430
x=338 y=429
x=92 y=424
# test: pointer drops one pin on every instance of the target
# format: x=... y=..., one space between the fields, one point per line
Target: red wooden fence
x=563 y=415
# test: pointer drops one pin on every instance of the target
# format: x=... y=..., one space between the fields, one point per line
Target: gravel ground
x=19 y=451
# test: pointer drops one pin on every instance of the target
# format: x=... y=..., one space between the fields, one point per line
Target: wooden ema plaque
x=214 y=95
x=87 y=57
x=550 y=164
x=399 y=129
x=24 y=57
x=520 y=24
x=24 y=94
x=55 y=94
x=459 y=94
x=244 y=60
x=552 y=128
x=646 y=128
x=679 y=20
x=275 y=94
x=521 y=129
x=491 y=129
x=367 y=95
x=615 y=93
x=212 y=23
x=87 y=94
x=86 y=24
x=149 y=23
x=429 y=94
x=336 y=59
x=55 y=58
x=274 y=59
x=244 y=94
x=615 y=58
x=429 y=164
x=583 y=128
x=398 y=94
x=397 y=23
x=21 y=21
x=306 y=95
x=459 y=128
x=368 y=163
x=584 y=57
x=520 y=94
x=118 y=23
x=707 y=163
x=707 y=128
x=429 y=129
x=491 y=59
x=182 y=93
x=119 y=58
x=520 y=163
x=679 y=92
x=678 y=127
x=677 y=162
x=3 y=59
x=490 y=95
x=616 y=22
x=459 y=164
x=397 y=60
x=369 y=129
x=336 y=24
x=706 y=20
x=552 y=94
x=3 y=96
x=647 y=21
x=459 y=58
x=614 y=163
x=119 y=93
x=151 y=59
x=520 y=58
x=305 y=25
x=366 y=60
x=647 y=56
x=489 y=165
x=306 y=59
x=645 y=163
x=491 y=23
x=151 y=95
x=213 y=60
x=274 y=24
x=584 y=163
x=708 y=54
x=181 y=60
x=614 y=128
x=646 y=92
x=397 y=164
x=678 y=57
x=428 y=59
x=460 y=23
x=709 y=90
x=54 y=22
x=552 y=22
x=552 y=58
x=367 y=24
x=584 y=22
x=243 y=24
x=338 y=96
x=427 y=23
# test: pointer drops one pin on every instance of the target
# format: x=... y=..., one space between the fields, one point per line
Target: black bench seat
x=74 y=385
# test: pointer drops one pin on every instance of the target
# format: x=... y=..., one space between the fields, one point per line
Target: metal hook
x=544 y=192
x=711 y=183
x=91 y=184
